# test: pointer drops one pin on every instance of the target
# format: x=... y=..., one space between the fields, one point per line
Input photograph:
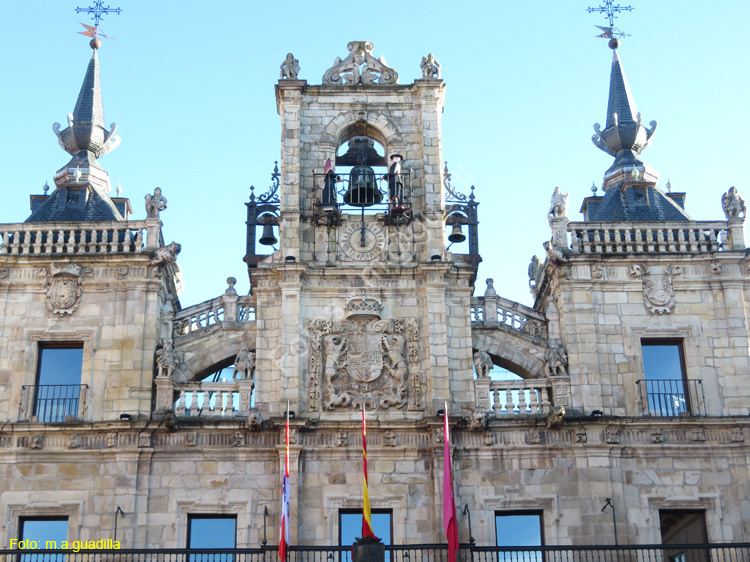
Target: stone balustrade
x=521 y=397
x=494 y=311
x=208 y=399
x=130 y=237
x=219 y=310
x=682 y=237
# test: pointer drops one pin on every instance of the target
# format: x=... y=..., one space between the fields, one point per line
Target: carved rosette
x=658 y=292
x=64 y=288
x=364 y=361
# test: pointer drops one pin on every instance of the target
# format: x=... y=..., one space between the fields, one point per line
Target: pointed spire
x=86 y=131
x=624 y=136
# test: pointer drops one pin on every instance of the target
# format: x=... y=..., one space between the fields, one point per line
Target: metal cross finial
x=97 y=11
x=610 y=11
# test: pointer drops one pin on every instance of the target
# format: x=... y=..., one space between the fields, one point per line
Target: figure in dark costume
x=329 y=200
x=395 y=184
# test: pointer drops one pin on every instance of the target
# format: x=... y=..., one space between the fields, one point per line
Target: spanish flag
x=284 y=532
x=366 y=511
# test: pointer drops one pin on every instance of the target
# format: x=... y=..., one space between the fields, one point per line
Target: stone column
x=164 y=394
x=435 y=287
x=559 y=231
x=229 y=300
x=290 y=335
x=736 y=233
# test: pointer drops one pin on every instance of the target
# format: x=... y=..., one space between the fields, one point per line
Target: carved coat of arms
x=658 y=292
x=64 y=288
x=365 y=360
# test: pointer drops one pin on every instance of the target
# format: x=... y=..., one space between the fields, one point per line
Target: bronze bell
x=362 y=189
x=456 y=235
x=268 y=238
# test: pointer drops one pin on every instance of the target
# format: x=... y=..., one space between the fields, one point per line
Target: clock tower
x=361 y=302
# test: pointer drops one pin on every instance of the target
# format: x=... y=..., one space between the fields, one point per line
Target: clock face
x=351 y=241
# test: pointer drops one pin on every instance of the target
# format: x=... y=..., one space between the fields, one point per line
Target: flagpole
x=366 y=511
x=450 y=519
x=284 y=523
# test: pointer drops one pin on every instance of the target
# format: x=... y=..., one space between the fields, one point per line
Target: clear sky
x=191 y=86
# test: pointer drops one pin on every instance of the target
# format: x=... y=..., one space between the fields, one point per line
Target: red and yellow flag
x=449 y=502
x=366 y=511
x=284 y=531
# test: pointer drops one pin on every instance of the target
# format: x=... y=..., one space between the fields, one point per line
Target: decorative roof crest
x=360 y=67
x=364 y=307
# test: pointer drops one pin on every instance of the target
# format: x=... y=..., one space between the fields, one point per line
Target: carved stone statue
x=166 y=359
x=166 y=255
x=490 y=290
x=155 y=204
x=430 y=67
x=244 y=364
x=289 y=68
x=558 y=204
x=733 y=204
x=335 y=347
x=557 y=360
x=396 y=368
x=535 y=268
x=482 y=363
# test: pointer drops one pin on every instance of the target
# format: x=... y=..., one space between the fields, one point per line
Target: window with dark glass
x=519 y=529
x=684 y=527
x=58 y=392
x=214 y=532
x=665 y=391
x=45 y=532
x=350 y=528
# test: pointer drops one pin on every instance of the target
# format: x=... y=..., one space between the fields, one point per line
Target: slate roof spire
x=629 y=184
x=624 y=137
x=82 y=184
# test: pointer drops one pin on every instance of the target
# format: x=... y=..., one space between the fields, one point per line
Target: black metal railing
x=723 y=552
x=52 y=403
x=672 y=397
x=352 y=195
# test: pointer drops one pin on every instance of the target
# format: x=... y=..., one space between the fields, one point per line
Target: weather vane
x=610 y=12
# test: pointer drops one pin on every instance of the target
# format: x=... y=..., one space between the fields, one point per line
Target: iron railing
x=723 y=552
x=53 y=403
x=672 y=397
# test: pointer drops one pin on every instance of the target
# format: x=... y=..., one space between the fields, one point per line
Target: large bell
x=362 y=189
x=456 y=235
x=268 y=238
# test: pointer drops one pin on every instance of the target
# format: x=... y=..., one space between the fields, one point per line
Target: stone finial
x=733 y=204
x=360 y=67
x=230 y=290
x=558 y=204
x=155 y=204
x=430 y=67
x=289 y=68
x=490 y=291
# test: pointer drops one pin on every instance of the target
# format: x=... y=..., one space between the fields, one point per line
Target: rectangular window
x=682 y=527
x=664 y=390
x=58 y=393
x=519 y=529
x=215 y=532
x=350 y=528
x=42 y=532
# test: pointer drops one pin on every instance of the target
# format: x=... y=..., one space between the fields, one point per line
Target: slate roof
x=64 y=205
x=637 y=203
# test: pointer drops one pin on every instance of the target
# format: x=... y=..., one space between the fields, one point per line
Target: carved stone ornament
x=36 y=442
x=389 y=438
x=733 y=205
x=581 y=436
x=289 y=68
x=4 y=272
x=144 y=439
x=112 y=439
x=191 y=438
x=737 y=435
x=75 y=441
x=64 y=288
x=555 y=417
x=489 y=440
x=482 y=363
x=478 y=420
x=364 y=360
x=430 y=67
x=658 y=292
x=239 y=439
x=613 y=435
x=699 y=434
x=342 y=439
x=360 y=67
x=657 y=436
x=596 y=271
x=166 y=255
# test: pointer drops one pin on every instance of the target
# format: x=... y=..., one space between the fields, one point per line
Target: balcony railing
x=129 y=237
x=672 y=397
x=208 y=399
x=53 y=403
x=520 y=397
x=723 y=552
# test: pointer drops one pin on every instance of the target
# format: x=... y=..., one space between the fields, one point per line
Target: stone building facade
x=363 y=305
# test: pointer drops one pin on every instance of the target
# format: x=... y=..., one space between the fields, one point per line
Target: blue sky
x=191 y=87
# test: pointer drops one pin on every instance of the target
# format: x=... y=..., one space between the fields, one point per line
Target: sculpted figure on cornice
x=364 y=361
